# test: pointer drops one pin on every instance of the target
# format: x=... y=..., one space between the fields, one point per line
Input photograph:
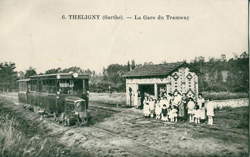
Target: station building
x=153 y=79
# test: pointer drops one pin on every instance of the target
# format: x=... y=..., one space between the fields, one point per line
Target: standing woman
x=182 y=107
x=210 y=112
x=152 y=102
x=190 y=106
x=201 y=104
x=184 y=101
x=146 y=110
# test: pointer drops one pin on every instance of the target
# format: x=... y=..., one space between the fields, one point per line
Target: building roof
x=155 y=70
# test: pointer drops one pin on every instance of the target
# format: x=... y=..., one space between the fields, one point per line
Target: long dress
x=190 y=106
x=201 y=102
x=177 y=103
x=210 y=109
x=182 y=109
x=164 y=113
x=146 y=110
x=152 y=107
x=158 y=109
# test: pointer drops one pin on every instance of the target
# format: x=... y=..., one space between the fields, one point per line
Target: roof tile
x=154 y=70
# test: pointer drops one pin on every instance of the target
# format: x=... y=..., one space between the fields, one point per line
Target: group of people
x=175 y=107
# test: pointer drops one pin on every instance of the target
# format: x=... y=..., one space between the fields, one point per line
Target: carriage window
x=48 y=86
x=33 y=85
x=78 y=86
x=86 y=85
x=22 y=86
x=66 y=86
x=75 y=86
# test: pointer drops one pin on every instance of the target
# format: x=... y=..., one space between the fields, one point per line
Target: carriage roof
x=61 y=76
x=23 y=80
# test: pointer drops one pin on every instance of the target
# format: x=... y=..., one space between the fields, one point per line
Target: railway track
x=111 y=109
x=134 y=148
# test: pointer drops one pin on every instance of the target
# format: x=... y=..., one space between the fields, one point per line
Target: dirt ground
x=125 y=132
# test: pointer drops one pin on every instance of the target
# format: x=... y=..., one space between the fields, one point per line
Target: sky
x=34 y=34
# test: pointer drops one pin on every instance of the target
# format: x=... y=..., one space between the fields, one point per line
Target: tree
x=199 y=59
x=74 y=69
x=129 y=66
x=148 y=63
x=30 y=72
x=20 y=75
x=223 y=58
x=244 y=55
x=52 y=71
x=133 y=64
x=8 y=76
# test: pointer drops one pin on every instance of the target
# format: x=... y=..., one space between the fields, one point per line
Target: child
x=176 y=99
x=190 y=106
x=164 y=113
x=158 y=110
x=146 y=108
x=173 y=114
x=152 y=107
x=197 y=114
x=210 y=112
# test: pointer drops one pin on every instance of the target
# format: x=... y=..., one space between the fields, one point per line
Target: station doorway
x=145 y=88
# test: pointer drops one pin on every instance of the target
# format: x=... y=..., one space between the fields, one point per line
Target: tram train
x=63 y=95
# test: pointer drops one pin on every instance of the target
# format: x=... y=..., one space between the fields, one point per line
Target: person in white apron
x=158 y=110
x=201 y=104
x=210 y=112
x=190 y=106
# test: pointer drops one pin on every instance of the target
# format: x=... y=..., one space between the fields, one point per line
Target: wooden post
x=155 y=91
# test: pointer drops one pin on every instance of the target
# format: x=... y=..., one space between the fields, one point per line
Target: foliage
x=236 y=117
x=222 y=75
x=216 y=74
x=113 y=74
x=30 y=72
x=53 y=71
x=22 y=138
x=8 y=76
x=70 y=69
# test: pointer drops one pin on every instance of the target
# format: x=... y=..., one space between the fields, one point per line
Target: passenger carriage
x=65 y=95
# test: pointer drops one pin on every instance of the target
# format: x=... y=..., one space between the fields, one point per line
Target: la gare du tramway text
x=120 y=17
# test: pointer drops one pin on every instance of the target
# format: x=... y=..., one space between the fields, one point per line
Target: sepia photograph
x=124 y=78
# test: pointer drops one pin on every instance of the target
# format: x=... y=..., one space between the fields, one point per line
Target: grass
x=22 y=138
x=224 y=95
x=111 y=99
x=231 y=127
x=234 y=117
x=120 y=98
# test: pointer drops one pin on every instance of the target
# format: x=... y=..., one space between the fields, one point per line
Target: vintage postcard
x=124 y=78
